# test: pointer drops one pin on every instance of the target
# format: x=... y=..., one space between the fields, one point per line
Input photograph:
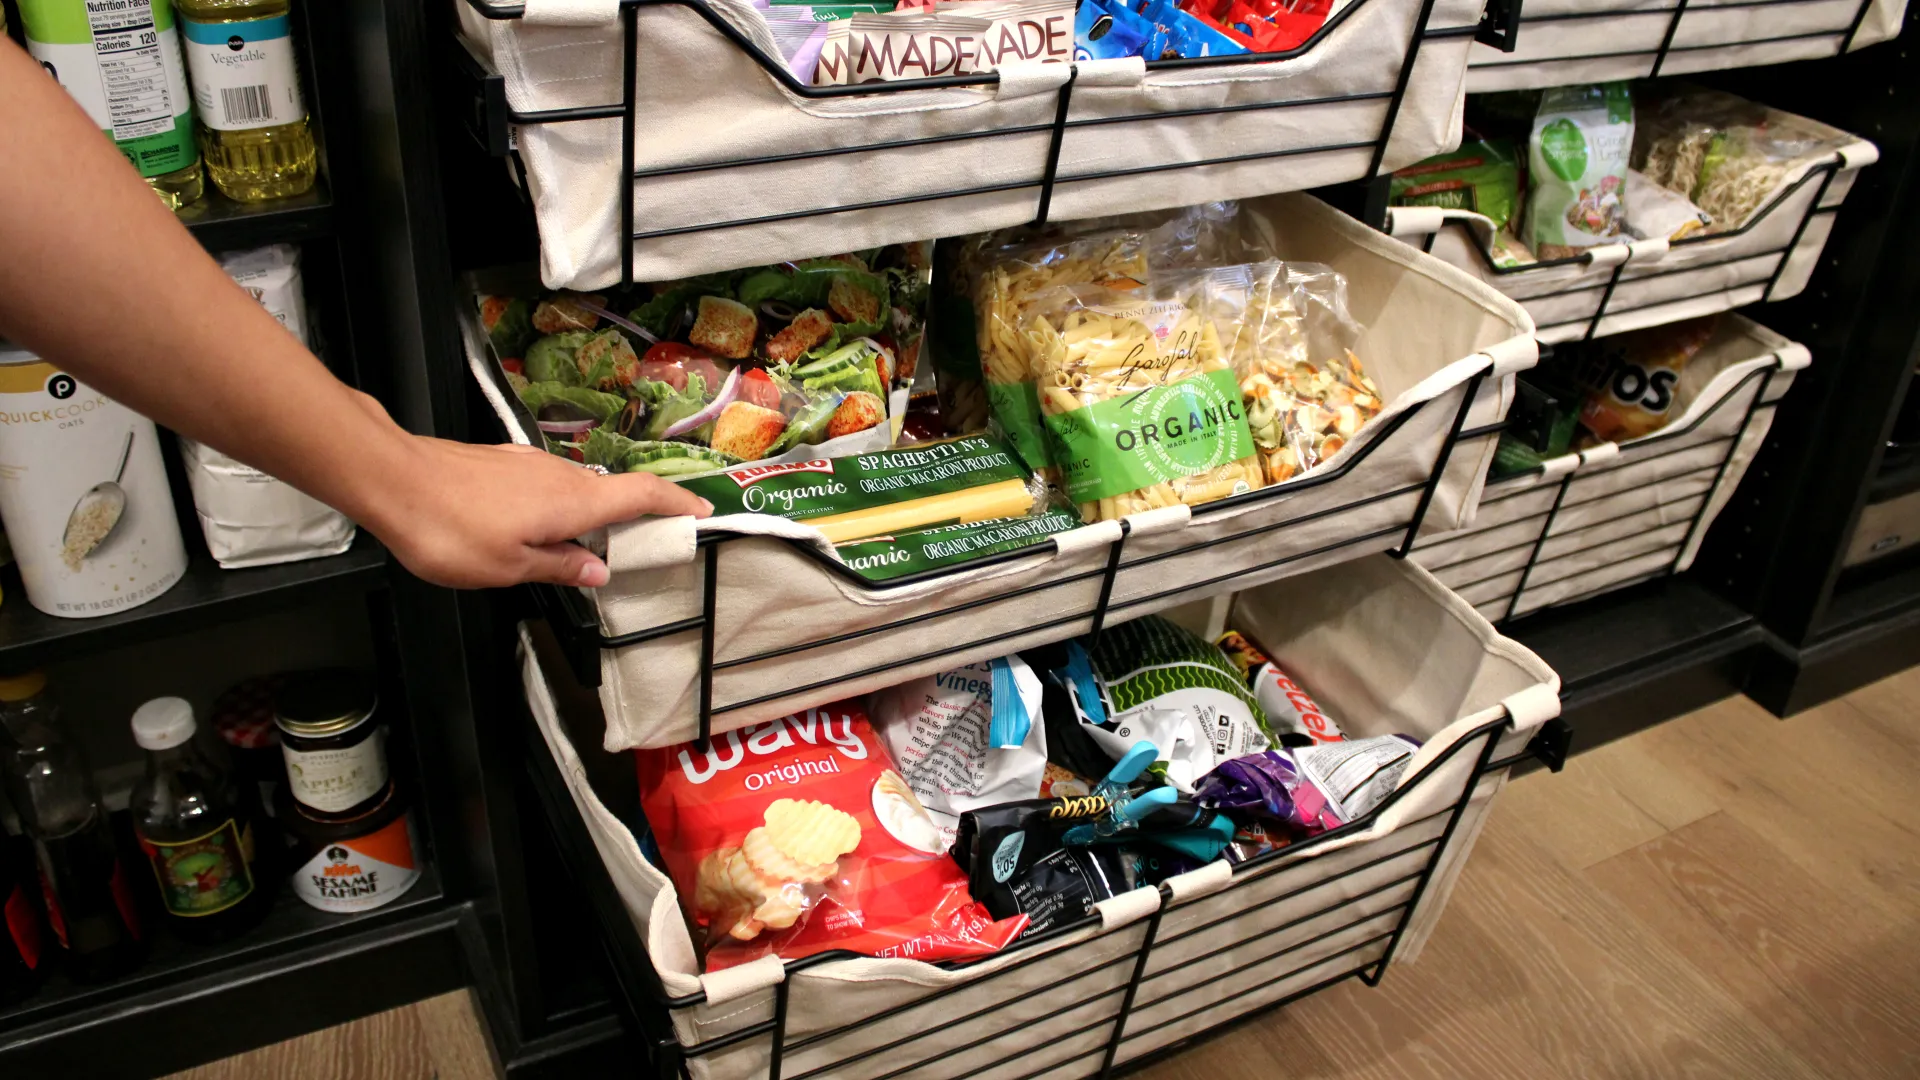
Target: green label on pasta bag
x=1151 y=437
x=884 y=558
x=803 y=490
x=1017 y=407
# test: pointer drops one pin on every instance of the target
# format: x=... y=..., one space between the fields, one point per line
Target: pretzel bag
x=799 y=836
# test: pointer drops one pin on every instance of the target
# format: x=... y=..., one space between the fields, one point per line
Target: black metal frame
x=1825 y=171
x=577 y=626
x=1667 y=47
x=1757 y=401
x=492 y=116
x=648 y=1008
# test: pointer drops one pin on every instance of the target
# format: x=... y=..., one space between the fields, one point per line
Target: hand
x=481 y=516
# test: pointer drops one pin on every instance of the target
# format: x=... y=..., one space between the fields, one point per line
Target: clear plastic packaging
x=1142 y=404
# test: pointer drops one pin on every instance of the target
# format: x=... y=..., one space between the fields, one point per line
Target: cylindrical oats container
x=83 y=494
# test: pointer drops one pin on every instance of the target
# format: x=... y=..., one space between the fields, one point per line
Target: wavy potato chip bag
x=799 y=836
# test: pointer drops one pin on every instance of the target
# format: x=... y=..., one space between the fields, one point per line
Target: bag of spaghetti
x=1288 y=335
x=1141 y=403
x=1010 y=332
x=1728 y=155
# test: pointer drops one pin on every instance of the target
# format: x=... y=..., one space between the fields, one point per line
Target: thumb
x=564 y=564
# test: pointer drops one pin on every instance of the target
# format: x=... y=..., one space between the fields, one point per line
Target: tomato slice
x=757 y=388
x=515 y=365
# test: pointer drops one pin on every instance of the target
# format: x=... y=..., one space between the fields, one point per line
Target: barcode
x=246 y=103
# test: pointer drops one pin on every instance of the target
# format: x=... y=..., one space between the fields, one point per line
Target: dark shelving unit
x=205 y=595
x=220 y=224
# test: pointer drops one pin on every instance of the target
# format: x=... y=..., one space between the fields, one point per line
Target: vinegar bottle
x=195 y=828
x=90 y=906
x=254 y=130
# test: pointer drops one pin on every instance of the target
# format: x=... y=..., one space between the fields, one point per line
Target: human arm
x=100 y=279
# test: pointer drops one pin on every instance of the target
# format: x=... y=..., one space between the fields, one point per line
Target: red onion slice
x=728 y=390
x=567 y=427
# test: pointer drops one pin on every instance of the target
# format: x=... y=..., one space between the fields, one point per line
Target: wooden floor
x=1726 y=895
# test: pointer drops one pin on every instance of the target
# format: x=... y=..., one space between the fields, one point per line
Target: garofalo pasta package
x=1011 y=333
x=1142 y=406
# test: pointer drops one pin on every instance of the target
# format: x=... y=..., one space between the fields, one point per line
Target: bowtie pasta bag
x=1141 y=403
x=1011 y=334
x=1306 y=392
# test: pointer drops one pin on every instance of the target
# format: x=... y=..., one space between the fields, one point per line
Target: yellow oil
x=259 y=163
x=179 y=187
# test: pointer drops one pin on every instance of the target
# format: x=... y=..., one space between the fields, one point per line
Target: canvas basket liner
x=1380 y=643
x=1659 y=282
x=1629 y=510
x=704 y=103
x=1429 y=331
x=1568 y=42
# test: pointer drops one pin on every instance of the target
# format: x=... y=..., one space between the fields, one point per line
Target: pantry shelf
x=299 y=971
x=220 y=224
x=205 y=595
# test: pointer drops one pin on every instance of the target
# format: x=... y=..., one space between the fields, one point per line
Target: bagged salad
x=1577 y=166
x=708 y=372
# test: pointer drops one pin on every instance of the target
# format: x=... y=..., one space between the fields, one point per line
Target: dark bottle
x=195 y=828
x=23 y=963
x=83 y=882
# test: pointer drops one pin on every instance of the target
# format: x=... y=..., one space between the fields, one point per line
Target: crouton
x=745 y=430
x=809 y=328
x=857 y=412
x=852 y=303
x=562 y=312
x=724 y=327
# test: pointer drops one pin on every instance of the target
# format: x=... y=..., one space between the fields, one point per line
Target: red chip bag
x=798 y=836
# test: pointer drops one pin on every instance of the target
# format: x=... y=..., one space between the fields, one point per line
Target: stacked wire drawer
x=1148 y=969
x=1617 y=514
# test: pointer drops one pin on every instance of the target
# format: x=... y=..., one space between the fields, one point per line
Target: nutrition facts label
x=133 y=71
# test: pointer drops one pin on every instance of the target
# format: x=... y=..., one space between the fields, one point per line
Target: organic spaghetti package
x=799 y=836
x=1142 y=405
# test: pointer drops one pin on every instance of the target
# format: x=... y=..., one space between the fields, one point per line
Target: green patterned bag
x=1158 y=682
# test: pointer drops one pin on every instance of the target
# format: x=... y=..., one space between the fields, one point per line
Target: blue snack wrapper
x=1186 y=36
x=1101 y=32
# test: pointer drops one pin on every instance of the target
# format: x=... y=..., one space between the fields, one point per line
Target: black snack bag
x=1017 y=863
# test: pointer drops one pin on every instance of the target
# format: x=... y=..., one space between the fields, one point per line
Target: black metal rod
x=1546 y=527
x=1666 y=40
x=1106 y=588
x=1400 y=81
x=1440 y=463
x=779 y=1029
x=1053 y=146
x=1133 y=988
x=709 y=596
x=1565 y=532
x=1853 y=28
x=1277 y=953
x=1600 y=312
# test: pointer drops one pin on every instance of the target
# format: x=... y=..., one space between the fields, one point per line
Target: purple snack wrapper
x=1268 y=785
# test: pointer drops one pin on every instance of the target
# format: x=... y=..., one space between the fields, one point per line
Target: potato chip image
x=811 y=832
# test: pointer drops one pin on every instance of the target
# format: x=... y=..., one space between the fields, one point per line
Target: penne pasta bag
x=1005 y=287
x=1141 y=403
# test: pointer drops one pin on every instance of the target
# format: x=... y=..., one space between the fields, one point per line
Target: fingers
x=630 y=495
x=565 y=564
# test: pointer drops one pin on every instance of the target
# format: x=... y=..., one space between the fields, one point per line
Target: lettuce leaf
x=602 y=407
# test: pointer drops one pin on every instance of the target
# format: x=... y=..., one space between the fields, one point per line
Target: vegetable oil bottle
x=254 y=130
x=120 y=59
